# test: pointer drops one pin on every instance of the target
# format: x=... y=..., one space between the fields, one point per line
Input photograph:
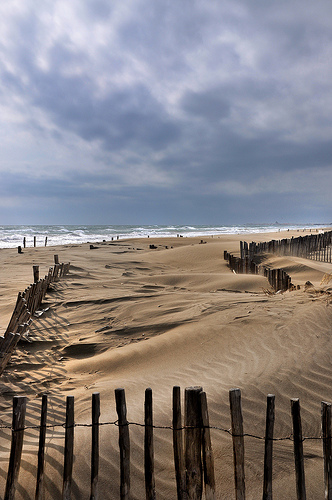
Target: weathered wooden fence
x=313 y=246
x=27 y=305
x=192 y=447
x=277 y=278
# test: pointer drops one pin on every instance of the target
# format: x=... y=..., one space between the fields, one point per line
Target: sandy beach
x=134 y=317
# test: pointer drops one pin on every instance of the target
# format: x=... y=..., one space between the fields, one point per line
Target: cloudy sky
x=155 y=111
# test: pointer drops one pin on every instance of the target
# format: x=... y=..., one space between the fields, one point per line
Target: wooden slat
x=298 y=449
x=19 y=409
x=150 y=490
x=238 y=442
x=268 y=452
x=208 y=459
x=124 y=444
x=327 y=449
x=193 y=439
x=69 y=449
x=95 y=445
x=39 y=495
x=180 y=473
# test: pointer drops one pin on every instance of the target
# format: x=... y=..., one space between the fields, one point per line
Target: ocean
x=12 y=236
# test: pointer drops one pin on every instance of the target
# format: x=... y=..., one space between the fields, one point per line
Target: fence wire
x=289 y=437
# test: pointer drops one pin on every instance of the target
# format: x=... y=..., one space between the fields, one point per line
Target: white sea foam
x=12 y=236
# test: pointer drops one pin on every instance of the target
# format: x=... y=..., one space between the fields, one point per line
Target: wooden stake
x=327 y=451
x=124 y=444
x=19 y=409
x=95 y=445
x=150 y=490
x=69 y=449
x=298 y=449
x=180 y=472
x=35 y=274
x=34 y=241
x=41 y=451
x=193 y=440
x=56 y=259
x=207 y=453
x=267 y=486
x=238 y=442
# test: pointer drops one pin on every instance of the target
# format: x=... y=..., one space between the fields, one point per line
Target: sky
x=165 y=112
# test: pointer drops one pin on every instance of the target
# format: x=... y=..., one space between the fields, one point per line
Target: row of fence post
x=27 y=303
x=277 y=278
x=193 y=454
x=34 y=241
x=312 y=246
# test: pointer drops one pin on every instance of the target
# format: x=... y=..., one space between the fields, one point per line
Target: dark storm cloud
x=197 y=98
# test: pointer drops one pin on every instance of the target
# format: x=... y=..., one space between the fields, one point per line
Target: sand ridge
x=134 y=317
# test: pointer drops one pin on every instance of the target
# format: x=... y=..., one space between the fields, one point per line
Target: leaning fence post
x=69 y=449
x=19 y=408
x=95 y=445
x=298 y=449
x=180 y=472
x=327 y=451
x=124 y=444
x=41 y=450
x=150 y=490
x=193 y=440
x=238 y=442
x=208 y=460
x=267 y=486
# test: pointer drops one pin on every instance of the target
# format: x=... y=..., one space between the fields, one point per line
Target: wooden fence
x=27 y=305
x=192 y=447
x=277 y=278
x=313 y=246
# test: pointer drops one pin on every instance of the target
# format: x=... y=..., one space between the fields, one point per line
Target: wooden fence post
x=124 y=444
x=19 y=409
x=298 y=449
x=193 y=440
x=69 y=449
x=95 y=445
x=238 y=442
x=207 y=453
x=180 y=472
x=56 y=259
x=267 y=486
x=327 y=451
x=41 y=450
x=35 y=274
x=34 y=241
x=150 y=490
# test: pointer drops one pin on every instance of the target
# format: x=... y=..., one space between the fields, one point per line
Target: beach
x=128 y=315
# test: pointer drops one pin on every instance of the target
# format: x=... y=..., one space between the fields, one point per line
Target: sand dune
x=134 y=317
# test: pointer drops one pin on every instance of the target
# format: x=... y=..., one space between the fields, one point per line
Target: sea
x=12 y=236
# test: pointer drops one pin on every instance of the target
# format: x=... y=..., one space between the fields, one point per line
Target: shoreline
x=95 y=237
